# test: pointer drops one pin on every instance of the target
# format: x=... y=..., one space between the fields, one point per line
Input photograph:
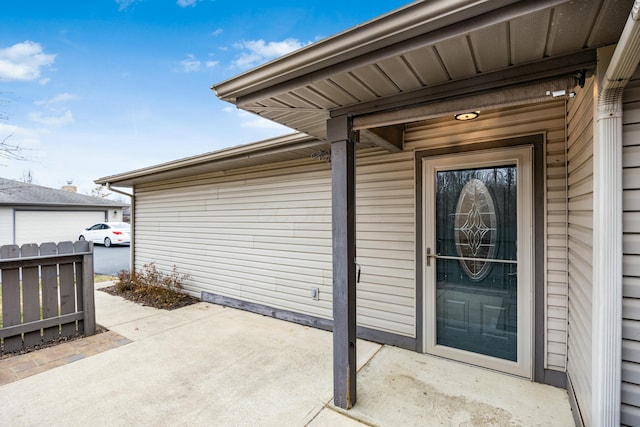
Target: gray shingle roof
x=20 y=193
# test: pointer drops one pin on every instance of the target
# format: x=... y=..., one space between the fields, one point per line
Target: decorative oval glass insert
x=475 y=229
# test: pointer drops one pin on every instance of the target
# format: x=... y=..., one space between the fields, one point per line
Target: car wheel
x=107 y=242
x=81 y=238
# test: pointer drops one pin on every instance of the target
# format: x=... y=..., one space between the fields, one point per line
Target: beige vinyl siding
x=580 y=251
x=259 y=237
x=6 y=226
x=549 y=119
x=556 y=251
x=630 y=410
x=385 y=212
x=264 y=236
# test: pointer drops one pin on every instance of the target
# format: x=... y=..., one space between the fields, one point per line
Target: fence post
x=67 y=289
x=88 y=299
x=11 y=297
x=31 y=294
x=49 y=274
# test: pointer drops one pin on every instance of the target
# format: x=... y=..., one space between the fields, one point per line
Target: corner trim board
x=573 y=402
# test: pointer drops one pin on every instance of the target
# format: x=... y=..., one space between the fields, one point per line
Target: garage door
x=53 y=226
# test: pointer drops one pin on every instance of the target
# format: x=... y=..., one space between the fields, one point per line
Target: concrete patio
x=215 y=366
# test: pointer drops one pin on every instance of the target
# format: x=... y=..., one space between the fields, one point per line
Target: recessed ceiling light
x=467 y=116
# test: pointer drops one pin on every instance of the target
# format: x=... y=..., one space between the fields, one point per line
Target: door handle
x=430 y=255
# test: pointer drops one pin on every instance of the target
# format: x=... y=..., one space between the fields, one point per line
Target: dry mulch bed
x=153 y=296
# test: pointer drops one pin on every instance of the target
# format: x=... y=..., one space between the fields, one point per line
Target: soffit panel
x=572 y=25
x=295 y=99
x=493 y=43
x=291 y=118
x=606 y=27
x=272 y=102
x=427 y=65
x=457 y=58
x=354 y=87
x=529 y=39
x=317 y=97
x=376 y=81
x=334 y=92
x=401 y=73
x=311 y=123
x=528 y=36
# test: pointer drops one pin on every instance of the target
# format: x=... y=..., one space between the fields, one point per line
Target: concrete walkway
x=205 y=365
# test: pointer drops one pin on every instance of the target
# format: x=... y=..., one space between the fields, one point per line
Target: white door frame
x=522 y=156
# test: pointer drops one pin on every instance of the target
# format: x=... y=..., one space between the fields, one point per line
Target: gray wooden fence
x=47 y=293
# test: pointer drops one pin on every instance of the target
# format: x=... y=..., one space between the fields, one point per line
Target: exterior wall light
x=467 y=116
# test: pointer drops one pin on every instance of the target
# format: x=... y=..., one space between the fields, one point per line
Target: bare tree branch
x=100 y=191
x=10 y=151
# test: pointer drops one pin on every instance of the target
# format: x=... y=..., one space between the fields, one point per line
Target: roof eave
x=128 y=179
x=388 y=29
x=65 y=205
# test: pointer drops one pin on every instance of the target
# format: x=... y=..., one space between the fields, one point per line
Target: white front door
x=479 y=258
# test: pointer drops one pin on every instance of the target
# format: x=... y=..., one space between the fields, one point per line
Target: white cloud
x=187 y=3
x=124 y=4
x=191 y=64
x=23 y=61
x=255 y=52
x=217 y=32
x=63 y=97
x=52 y=121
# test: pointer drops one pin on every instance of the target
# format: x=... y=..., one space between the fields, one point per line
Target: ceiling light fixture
x=467 y=116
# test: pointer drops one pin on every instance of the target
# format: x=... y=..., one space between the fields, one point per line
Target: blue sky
x=94 y=88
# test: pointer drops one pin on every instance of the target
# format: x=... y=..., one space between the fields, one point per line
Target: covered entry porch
x=373 y=87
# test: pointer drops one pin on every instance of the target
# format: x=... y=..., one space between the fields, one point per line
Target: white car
x=107 y=233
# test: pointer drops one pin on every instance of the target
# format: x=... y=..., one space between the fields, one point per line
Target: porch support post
x=607 y=254
x=342 y=138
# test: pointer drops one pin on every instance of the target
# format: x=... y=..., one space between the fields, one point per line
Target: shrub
x=152 y=287
x=127 y=281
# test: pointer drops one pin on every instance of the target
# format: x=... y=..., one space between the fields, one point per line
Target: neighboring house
x=34 y=214
x=511 y=241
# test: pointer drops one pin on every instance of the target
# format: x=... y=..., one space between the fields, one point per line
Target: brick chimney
x=70 y=187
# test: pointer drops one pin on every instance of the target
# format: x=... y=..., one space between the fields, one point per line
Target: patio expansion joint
x=344 y=412
x=327 y=405
x=125 y=322
x=364 y=365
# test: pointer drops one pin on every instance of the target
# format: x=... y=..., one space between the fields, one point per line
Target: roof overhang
x=426 y=60
x=289 y=147
x=430 y=59
x=66 y=206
